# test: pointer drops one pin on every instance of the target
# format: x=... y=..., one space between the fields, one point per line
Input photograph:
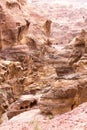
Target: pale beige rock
x=30 y=42
x=24 y=103
x=74 y=120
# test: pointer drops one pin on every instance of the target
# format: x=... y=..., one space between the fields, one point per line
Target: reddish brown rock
x=30 y=42
x=61 y=98
x=47 y=28
x=3 y=104
x=12 y=25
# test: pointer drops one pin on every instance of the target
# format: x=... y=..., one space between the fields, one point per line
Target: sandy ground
x=81 y=3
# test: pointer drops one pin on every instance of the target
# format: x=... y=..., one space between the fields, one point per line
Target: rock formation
x=37 y=74
x=66 y=92
x=12 y=25
x=76 y=119
x=47 y=27
x=24 y=103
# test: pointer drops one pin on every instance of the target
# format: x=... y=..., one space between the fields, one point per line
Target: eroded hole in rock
x=21 y=107
x=72 y=107
x=26 y=107
x=33 y=92
x=32 y=104
x=5 y=107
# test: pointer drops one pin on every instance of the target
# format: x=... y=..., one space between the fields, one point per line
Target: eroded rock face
x=64 y=70
x=30 y=42
x=12 y=25
x=70 y=89
x=35 y=66
x=3 y=104
x=47 y=27
x=24 y=103
x=61 y=98
x=76 y=119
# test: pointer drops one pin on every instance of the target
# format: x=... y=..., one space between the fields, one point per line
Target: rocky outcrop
x=24 y=103
x=66 y=93
x=13 y=25
x=31 y=62
x=61 y=98
x=3 y=104
x=47 y=28
x=76 y=119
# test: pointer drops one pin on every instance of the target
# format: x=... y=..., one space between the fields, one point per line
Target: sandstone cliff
x=43 y=64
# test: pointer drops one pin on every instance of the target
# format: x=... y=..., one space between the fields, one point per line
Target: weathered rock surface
x=70 y=89
x=32 y=62
x=24 y=103
x=74 y=120
x=61 y=98
x=13 y=24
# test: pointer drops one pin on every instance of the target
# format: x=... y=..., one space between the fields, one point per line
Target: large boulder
x=24 y=103
x=61 y=98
